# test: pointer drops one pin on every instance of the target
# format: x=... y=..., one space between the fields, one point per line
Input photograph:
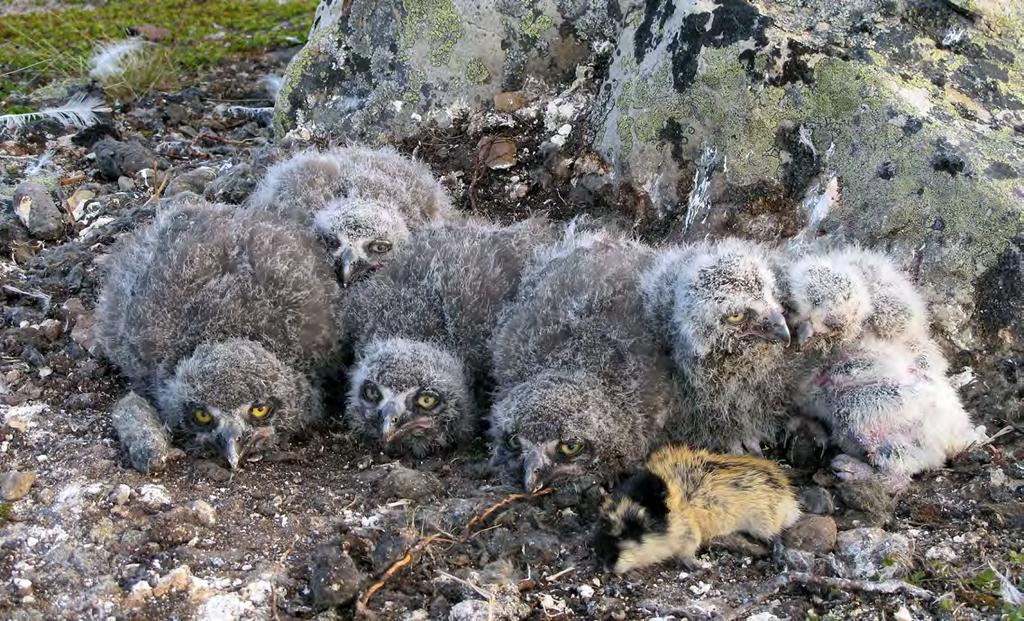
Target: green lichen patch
x=435 y=21
x=37 y=47
x=477 y=72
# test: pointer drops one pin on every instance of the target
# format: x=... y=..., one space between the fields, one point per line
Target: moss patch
x=35 y=48
x=441 y=21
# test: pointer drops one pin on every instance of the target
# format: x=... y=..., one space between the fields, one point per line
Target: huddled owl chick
x=226 y=320
x=715 y=304
x=836 y=297
x=683 y=498
x=421 y=327
x=361 y=202
x=883 y=406
x=584 y=386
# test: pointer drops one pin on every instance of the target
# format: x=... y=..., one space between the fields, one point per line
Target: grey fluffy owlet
x=715 y=304
x=584 y=385
x=421 y=327
x=361 y=202
x=869 y=370
x=226 y=319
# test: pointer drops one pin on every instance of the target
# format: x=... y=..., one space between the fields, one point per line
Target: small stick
x=887 y=587
x=396 y=566
x=508 y=500
x=555 y=577
x=36 y=295
x=425 y=542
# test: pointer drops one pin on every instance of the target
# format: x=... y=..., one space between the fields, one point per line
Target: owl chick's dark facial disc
x=554 y=429
x=235 y=397
x=360 y=234
x=411 y=396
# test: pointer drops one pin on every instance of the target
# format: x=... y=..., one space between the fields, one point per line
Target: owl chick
x=715 y=304
x=361 y=202
x=583 y=385
x=882 y=406
x=682 y=498
x=836 y=297
x=226 y=320
x=421 y=328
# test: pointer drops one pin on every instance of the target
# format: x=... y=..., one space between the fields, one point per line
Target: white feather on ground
x=79 y=112
x=108 y=61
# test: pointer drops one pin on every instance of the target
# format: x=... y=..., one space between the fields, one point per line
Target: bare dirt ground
x=331 y=528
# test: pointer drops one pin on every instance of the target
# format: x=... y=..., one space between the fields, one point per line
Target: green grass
x=36 y=48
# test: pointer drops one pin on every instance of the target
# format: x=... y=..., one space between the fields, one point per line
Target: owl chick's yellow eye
x=735 y=318
x=202 y=417
x=260 y=410
x=379 y=246
x=570 y=448
x=427 y=400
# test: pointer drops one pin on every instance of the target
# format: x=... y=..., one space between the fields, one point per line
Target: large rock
x=374 y=71
x=895 y=124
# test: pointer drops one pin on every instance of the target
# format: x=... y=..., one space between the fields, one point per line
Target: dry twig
x=423 y=544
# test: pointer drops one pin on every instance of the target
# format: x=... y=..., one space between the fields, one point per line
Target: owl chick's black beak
x=230 y=441
x=389 y=416
x=535 y=469
x=774 y=329
x=348 y=266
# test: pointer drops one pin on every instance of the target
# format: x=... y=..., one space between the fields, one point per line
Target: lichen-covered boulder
x=374 y=71
x=896 y=124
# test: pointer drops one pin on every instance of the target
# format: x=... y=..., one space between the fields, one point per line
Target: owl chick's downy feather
x=224 y=317
x=584 y=386
x=421 y=328
x=715 y=304
x=361 y=202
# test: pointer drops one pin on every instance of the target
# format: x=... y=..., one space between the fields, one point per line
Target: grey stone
x=869 y=497
x=817 y=500
x=427 y=56
x=874 y=554
x=813 y=533
x=194 y=180
x=36 y=210
x=14 y=485
x=115 y=159
x=335 y=579
x=232 y=186
x=402 y=482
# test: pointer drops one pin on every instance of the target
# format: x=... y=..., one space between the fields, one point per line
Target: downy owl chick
x=226 y=320
x=362 y=202
x=715 y=304
x=584 y=386
x=882 y=406
x=421 y=328
x=683 y=498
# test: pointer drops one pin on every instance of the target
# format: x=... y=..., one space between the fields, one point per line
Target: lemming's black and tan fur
x=683 y=498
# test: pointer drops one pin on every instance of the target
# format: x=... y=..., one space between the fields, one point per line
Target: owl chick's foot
x=747 y=446
x=141 y=433
x=848 y=468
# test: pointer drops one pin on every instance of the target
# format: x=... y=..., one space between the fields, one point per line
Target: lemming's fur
x=682 y=498
x=214 y=309
x=358 y=200
x=584 y=385
x=423 y=323
x=732 y=374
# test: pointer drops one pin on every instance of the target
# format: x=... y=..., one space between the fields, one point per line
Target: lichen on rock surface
x=376 y=71
x=861 y=95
